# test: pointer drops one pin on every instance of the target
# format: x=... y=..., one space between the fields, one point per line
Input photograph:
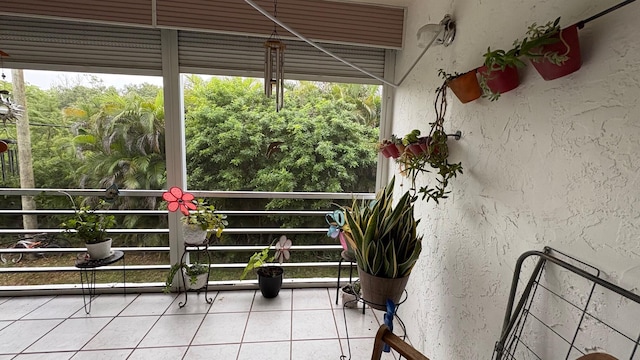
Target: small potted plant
x=269 y=276
x=499 y=74
x=199 y=217
x=415 y=144
x=465 y=86
x=91 y=227
x=349 y=294
x=198 y=274
x=389 y=147
x=553 y=51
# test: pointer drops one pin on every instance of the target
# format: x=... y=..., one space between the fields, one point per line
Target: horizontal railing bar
x=9 y=270
x=166 y=231
x=164 y=212
x=222 y=248
x=198 y=193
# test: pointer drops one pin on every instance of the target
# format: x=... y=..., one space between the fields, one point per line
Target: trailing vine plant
x=435 y=158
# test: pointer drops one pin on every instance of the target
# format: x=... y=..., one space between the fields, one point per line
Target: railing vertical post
x=174 y=133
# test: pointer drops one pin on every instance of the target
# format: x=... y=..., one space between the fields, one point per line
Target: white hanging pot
x=193 y=234
x=100 y=250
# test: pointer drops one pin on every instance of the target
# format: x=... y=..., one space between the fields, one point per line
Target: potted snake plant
x=386 y=245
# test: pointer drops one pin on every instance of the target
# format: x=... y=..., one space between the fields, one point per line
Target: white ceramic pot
x=201 y=281
x=100 y=250
x=193 y=234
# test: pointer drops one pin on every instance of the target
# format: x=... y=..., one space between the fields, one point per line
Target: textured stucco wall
x=551 y=163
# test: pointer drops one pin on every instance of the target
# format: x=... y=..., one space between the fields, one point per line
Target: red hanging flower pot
x=500 y=81
x=568 y=45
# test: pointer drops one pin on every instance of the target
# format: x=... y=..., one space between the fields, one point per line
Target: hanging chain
x=275 y=15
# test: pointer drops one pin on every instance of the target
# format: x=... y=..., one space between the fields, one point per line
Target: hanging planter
x=568 y=47
x=389 y=149
x=554 y=52
x=465 y=86
x=499 y=81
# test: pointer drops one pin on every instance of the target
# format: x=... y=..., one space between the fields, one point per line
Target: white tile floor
x=299 y=324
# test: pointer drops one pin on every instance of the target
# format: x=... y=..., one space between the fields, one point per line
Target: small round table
x=88 y=268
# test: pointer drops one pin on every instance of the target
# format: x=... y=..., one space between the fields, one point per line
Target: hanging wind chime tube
x=274 y=64
x=274 y=70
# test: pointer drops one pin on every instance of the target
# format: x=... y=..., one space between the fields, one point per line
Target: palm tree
x=122 y=143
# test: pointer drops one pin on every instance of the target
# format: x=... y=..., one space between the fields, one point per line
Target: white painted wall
x=551 y=163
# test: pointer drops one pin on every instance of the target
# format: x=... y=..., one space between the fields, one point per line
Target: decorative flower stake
x=179 y=200
x=282 y=249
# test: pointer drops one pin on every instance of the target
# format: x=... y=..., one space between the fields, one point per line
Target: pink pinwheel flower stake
x=282 y=249
x=199 y=219
x=179 y=200
x=269 y=276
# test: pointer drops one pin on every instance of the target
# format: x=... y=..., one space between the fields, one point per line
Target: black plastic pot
x=270 y=280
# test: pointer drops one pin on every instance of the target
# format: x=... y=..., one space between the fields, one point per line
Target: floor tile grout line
x=46 y=333
x=291 y=325
x=206 y=313
x=246 y=324
x=154 y=324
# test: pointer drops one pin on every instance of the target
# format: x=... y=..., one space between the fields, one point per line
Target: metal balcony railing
x=314 y=258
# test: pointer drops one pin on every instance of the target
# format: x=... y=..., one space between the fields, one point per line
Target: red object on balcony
x=501 y=81
x=567 y=37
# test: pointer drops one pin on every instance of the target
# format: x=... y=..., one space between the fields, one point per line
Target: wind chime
x=9 y=110
x=274 y=64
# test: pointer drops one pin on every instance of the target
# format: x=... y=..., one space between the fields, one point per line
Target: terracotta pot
x=376 y=290
x=550 y=71
x=466 y=87
x=501 y=81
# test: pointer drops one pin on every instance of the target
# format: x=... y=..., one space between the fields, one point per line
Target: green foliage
x=261 y=257
x=89 y=225
x=498 y=60
x=316 y=143
x=256 y=260
x=447 y=76
x=538 y=36
x=205 y=217
x=384 y=238
x=411 y=137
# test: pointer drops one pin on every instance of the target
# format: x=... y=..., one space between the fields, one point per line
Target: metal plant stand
x=88 y=268
x=197 y=249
